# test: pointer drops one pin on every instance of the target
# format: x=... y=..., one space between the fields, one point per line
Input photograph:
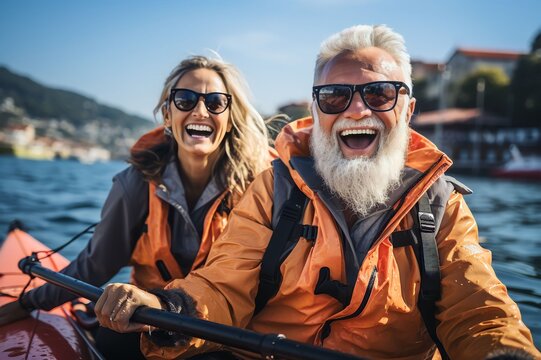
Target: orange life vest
x=153 y=263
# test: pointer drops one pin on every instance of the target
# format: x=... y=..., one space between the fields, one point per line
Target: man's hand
x=118 y=303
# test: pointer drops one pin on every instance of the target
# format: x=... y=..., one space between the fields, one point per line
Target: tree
x=526 y=87
x=496 y=90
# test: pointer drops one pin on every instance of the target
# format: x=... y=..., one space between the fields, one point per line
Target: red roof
x=489 y=54
x=458 y=116
x=426 y=65
x=15 y=127
x=446 y=116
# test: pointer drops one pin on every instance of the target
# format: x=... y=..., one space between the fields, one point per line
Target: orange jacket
x=475 y=313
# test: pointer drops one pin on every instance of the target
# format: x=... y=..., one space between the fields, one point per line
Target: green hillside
x=43 y=102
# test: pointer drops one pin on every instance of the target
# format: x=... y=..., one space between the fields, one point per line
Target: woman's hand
x=118 y=303
x=11 y=312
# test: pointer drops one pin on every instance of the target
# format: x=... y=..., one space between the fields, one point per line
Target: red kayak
x=46 y=334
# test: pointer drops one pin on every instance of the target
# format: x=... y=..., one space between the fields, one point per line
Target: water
x=58 y=199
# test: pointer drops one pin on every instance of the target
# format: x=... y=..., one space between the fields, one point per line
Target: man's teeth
x=198 y=127
x=358 y=132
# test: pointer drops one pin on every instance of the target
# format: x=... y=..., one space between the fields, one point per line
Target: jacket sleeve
x=476 y=315
x=225 y=288
x=112 y=244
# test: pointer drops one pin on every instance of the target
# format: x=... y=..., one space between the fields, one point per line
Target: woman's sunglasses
x=377 y=96
x=186 y=100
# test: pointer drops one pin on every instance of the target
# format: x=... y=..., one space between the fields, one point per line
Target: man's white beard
x=363 y=182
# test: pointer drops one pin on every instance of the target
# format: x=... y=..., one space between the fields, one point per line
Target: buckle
x=308 y=232
x=427 y=222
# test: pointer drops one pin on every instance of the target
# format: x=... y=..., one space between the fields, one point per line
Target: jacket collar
x=172 y=190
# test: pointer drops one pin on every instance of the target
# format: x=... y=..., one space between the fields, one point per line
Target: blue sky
x=119 y=52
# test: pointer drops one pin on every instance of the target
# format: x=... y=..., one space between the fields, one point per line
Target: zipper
x=392 y=213
x=164 y=195
x=326 y=330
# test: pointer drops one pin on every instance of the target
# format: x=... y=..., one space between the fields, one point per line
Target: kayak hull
x=45 y=334
x=42 y=336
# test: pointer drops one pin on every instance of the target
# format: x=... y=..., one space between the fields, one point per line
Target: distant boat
x=519 y=166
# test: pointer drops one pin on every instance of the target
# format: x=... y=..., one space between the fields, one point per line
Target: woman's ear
x=229 y=125
x=166 y=115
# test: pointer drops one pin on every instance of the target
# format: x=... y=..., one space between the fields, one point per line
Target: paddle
x=270 y=346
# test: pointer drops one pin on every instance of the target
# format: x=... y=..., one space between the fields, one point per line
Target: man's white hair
x=364 y=36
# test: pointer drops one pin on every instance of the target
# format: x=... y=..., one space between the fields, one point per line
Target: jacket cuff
x=510 y=354
x=26 y=303
x=179 y=302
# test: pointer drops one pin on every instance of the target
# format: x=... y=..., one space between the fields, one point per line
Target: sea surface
x=58 y=199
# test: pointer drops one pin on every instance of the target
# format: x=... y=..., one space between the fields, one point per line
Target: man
x=353 y=288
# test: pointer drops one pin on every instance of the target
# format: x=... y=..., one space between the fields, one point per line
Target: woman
x=164 y=212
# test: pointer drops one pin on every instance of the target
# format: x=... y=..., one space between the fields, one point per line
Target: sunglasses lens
x=380 y=96
x=334 y=99
x=185 y=100
x=216 y=103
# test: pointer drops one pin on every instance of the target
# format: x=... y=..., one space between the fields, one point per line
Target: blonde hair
x=245 y=151
x=360 y=37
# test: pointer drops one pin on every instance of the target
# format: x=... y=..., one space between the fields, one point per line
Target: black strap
x=334 y=288
x=430 y=269
x=164 y=272
x=308 y=232
x=403 y=238
x=270 y=277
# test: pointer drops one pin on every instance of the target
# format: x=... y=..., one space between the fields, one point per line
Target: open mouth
x=358 y=139
x=199 y=131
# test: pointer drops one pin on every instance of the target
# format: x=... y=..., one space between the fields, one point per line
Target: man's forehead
x=370 y=59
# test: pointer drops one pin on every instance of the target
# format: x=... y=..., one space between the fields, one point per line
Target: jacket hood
x=294 y=140
x=150 y=139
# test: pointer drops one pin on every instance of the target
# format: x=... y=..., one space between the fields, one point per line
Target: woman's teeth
x=199 y=130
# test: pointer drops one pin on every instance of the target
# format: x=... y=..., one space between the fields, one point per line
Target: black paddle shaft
x=270 y=346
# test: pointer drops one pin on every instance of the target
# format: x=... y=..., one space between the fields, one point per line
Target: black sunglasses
x=186 y=100
x=377 y=96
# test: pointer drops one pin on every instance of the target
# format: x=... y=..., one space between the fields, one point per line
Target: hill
x=65 y=114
